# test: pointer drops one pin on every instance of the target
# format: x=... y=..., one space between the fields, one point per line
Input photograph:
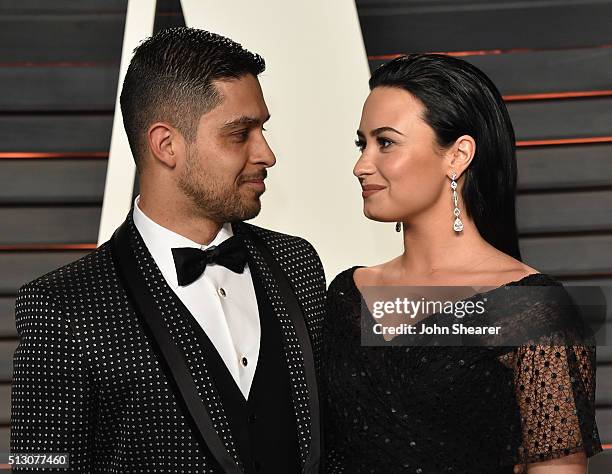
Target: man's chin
x=251 y=211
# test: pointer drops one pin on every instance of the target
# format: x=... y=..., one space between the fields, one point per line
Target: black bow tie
x=190 y=262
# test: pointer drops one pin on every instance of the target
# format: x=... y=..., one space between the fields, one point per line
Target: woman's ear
x=460 y=155
x=164 y=143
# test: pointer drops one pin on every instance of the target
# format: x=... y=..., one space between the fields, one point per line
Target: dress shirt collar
x=160 y=241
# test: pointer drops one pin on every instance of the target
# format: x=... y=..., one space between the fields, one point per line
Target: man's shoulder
x=269 y=233
x=279 y=240
x=89 y=270
x=295 y=254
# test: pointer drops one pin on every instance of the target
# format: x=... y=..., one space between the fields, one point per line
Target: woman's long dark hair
x=460 y=99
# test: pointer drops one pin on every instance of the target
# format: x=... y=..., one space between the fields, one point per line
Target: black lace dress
x=450 y=409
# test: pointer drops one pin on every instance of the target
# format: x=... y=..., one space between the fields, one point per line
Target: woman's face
x=401 y=169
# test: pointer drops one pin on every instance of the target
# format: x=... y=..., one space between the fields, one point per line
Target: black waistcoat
x=264 y=426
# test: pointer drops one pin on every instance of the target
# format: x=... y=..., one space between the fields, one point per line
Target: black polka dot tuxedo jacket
x=88 y=380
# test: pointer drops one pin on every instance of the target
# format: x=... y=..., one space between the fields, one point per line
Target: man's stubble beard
x=211 y=198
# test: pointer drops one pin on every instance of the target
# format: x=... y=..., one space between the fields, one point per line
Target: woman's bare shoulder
x=374 y=275
x=503 y=268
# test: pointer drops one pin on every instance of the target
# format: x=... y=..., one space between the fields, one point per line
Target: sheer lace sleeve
x=553 y=370
x=555 y=390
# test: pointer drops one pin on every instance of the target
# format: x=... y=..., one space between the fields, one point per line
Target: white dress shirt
x=221 y=301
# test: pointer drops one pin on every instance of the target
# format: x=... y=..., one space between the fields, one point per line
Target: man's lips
x=369 y=189
x=257 y=184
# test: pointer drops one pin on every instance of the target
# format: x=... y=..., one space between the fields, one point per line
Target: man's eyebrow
x=245 y=120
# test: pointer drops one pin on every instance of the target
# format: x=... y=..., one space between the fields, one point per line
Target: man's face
x=225 y=168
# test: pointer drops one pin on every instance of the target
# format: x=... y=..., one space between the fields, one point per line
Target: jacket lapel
x=185 y=363
x=297 y=347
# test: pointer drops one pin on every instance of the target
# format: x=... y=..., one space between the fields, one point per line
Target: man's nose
x=264 y=154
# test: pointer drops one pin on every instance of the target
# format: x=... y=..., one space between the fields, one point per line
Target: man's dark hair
x=170 y=79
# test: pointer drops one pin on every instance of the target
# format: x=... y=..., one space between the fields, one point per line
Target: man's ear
x=165 y=143
x=460 y=155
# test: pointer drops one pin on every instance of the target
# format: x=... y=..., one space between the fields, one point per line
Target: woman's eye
x=384 y=142
x=359 y=144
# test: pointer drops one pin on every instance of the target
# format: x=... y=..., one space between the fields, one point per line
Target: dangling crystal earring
x=457 y=225
x=398 y=227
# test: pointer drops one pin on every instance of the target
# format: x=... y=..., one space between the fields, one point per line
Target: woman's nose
x=364 y=166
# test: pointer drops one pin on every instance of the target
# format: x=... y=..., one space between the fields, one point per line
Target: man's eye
x=241 y=135
x=360 y=144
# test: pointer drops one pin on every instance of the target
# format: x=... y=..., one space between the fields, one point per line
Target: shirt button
x=222 y=292
x=244 y=361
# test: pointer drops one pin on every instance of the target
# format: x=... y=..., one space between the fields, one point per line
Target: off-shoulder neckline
x=521 y=281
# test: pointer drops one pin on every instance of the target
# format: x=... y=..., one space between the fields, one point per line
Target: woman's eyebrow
x=379 y=130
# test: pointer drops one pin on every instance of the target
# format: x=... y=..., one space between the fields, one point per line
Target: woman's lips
x=370 y=189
